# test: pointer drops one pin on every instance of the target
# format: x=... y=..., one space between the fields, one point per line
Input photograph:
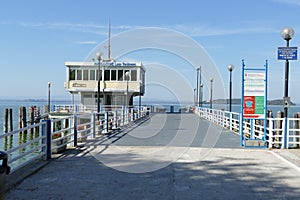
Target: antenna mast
x=108 y=47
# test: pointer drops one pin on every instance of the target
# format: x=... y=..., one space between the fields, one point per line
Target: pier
x=163 y=156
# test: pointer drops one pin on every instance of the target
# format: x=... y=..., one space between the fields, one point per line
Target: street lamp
x=197 y=91
x=195 y=98
x=211 y=91
x=201 y=94
x=140 y=97
x=49 y=86
x=230 y=69
x=287 y=34
x=98 y=55
x=127 y=75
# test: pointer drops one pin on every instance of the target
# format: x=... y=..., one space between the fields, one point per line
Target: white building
x=82 y=78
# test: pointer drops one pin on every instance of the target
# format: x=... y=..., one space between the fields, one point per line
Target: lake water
x=16 y=104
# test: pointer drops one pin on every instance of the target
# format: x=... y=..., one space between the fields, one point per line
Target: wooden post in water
x=278 y=125
x=296 y=125
x=31 y=117
x=5 y=127
x=22 y=124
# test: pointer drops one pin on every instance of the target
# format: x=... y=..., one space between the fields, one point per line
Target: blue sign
x=287 y=53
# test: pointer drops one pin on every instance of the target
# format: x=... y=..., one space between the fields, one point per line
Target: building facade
x=119 y=82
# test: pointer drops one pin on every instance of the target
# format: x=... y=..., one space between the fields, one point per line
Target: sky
x=37 y=37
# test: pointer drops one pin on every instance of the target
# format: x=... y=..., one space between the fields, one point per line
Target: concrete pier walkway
x=166 y=157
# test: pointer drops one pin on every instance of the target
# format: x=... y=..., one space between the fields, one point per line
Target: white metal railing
x=280 y=132
x=55 y=134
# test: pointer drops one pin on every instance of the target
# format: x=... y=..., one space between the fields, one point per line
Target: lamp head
x=287 y=33
x=99 y=56
x=230 y=68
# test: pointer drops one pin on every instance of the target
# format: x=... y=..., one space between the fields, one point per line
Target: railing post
x=286 y=133
x=230 y=121
x=46 y=131
x=93 y=124
x=223 y=119
x=75 y=130
x=115 y=122
x=241 y=129
x=132 y=114
x=122 y=116
x=271 y=135
x=105 y=123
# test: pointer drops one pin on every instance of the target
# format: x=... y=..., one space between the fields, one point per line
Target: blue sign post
x=254 y=104
x=287 y=53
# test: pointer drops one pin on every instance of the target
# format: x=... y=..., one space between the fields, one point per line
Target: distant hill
x=238 y=101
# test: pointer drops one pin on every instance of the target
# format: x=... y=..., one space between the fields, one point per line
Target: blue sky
x=37 y=37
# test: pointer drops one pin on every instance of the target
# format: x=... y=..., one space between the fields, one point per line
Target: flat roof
x=107 y=64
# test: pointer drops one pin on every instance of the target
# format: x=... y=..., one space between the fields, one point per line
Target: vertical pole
x=230 y=121
x=98 y=91
x=211 y=92
x=140 y=99
x=105 y=124
x=241 y=116
x=132 y=114
x=286 y=83
x=200 y=89
x=75 y=130
x=115 y=122
x=93 y=123
x=46 y=131
x=49 y=106
x=197 y=88
x=230 y=91
x=5 y=125
x=279 y=125
x=24 y=119
x=285 y=136
x=295 y=127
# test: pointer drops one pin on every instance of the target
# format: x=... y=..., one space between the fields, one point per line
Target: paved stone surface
x=131 y=164
x=221 y=174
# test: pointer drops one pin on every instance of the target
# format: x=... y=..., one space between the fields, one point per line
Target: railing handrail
x=273 y=131
x=37 y=146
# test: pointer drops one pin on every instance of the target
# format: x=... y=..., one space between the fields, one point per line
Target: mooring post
x=46 y=131
x=75 y=130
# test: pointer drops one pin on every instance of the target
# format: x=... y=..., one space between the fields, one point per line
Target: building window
x=79 y=74
x=126 y=78
x=120 y=75
x=107 y=75
x=72 y=73
x=113 y=75
x=92 y=75
x=133 y=75
x=85 y=74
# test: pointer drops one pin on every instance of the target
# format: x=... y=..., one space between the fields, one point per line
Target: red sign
x=249 y=105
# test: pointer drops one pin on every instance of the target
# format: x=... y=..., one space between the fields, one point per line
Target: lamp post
x=201 y=94
x=230 y=69
x=197 y=90
x=140 y=97
x=287 y=34
x=195 y=98
x=49 y=86
x=211 y=92
x=127 y=75
x=99 y=80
